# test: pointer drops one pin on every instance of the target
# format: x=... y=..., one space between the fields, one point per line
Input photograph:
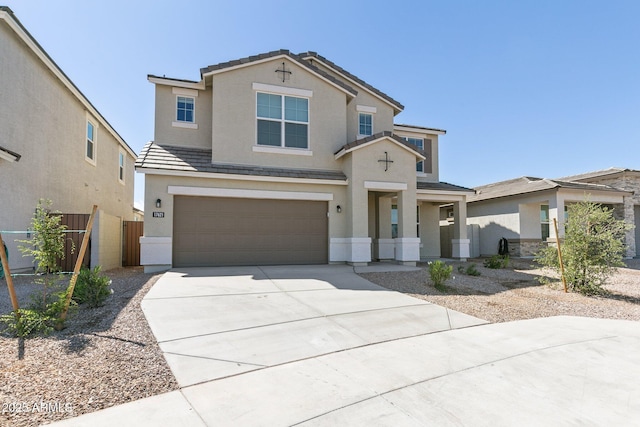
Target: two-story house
x=54 y=144
x=285 y=158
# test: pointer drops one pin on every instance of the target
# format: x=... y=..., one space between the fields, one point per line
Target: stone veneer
x=524 y=248
x=626 y=181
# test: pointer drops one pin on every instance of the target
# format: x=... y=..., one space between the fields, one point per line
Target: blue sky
x=540 y=88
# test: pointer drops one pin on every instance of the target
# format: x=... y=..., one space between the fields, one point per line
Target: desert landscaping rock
x=105 y=357
x=514 y=293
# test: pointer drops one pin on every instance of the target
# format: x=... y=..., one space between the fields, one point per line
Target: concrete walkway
x=319 y=345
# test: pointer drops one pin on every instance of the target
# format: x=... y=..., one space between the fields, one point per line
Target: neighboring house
x=55 y=145
x=285 y=158
x=626 y=180
x=522 y=210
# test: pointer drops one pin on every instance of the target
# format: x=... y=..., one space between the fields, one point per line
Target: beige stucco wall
x=434 y=175
x=165 y=115
x=382 y=118
x=106 y=249
x=429 y=230
x=362 y=165
x=45 y=123
x=234 y=117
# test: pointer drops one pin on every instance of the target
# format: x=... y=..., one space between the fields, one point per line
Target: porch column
x=556 y=210
x=385 y=243
x=358 y=246
x=460 y=243
x=407 y=244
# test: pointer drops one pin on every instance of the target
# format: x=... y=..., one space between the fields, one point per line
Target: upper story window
x=186 y=109
x=365 y=119
x=91 y=141
x=418 y=142
x=185 y=116
x=365 y=124
x=283 y=121
x=121 y=160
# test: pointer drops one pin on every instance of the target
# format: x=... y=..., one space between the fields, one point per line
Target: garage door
x=212 y=231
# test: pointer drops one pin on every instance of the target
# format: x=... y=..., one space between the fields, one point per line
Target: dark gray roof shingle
x=187 y=159
x=442 y=186
x=379 y=135
x=527 y=184
x=299 y=60
x=347 y=74
x=12 y=153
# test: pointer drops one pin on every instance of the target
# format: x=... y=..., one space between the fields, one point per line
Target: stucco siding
x=106 y=250
x=235 y=122
x=46 y=124
x=165 y=117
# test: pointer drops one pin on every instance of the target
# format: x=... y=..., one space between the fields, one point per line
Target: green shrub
x=92 y=287
x=30 y=322
x=439 y=273
x=497 y=261
x=472 y=270
x=593 y=247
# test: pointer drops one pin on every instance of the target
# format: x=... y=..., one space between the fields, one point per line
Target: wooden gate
x=74 y=240
x=131 y=243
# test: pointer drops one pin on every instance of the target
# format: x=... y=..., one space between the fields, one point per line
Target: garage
x=216 y=231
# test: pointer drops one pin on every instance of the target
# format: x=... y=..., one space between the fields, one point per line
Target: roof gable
x=314 y=56
x=275 y=55
x=598 y=174
x=381 y=136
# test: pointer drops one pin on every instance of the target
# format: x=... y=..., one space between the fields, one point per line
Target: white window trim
x=96 y=126
x=123 y=155
x=366 y=109
x=282 y=90
x=360 y=136
x=282 y=149
x=185 y=125
x=185 y=92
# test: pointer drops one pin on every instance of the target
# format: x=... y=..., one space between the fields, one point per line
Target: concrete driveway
x=319 y=345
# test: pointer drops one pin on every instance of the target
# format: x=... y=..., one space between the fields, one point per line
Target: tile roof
x=442 y=186
x=526 y=184
x=597 y=174
x=297 y=58
x=347 y=74
x=420 y=127
x=187 y=159
x=379 y=135
x=11 y=153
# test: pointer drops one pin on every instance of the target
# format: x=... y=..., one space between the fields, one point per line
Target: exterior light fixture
x=338 y=208
x=158 y=203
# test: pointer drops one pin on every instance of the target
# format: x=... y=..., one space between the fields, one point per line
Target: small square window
x=185 y=109
x=365 y=127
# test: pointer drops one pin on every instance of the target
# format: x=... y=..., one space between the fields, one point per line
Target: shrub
x=92 y=287
x=439 y=273
x=471 y=270
x=592 y=249
x=497 y=261
x=29 y=322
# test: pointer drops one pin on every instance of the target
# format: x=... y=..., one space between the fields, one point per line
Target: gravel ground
x=106 y=356
x=515 y=293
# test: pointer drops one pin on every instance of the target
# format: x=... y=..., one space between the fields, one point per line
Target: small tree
x=592 y=249
x=46 y=246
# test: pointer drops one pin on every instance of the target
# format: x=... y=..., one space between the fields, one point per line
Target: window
x=418 y=142
x=283 y=121
x=394 y=221
x=544 y=222
x=365 y=127
x=121 y=166
x=185 y=109
x=90 y=152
